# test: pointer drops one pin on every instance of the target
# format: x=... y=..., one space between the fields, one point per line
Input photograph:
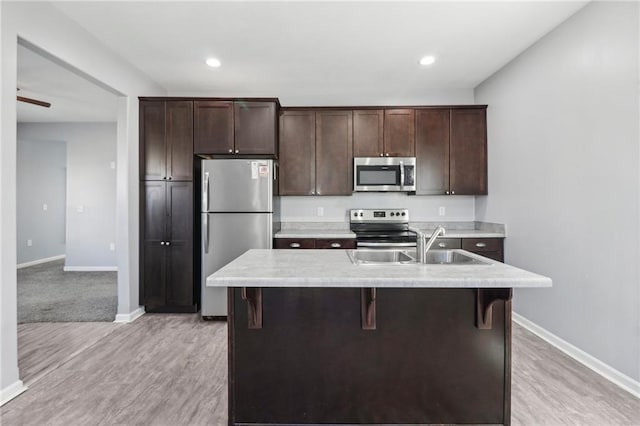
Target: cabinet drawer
x=480 y=245
x=336 y=243
x=294 y=243
x=447 y=244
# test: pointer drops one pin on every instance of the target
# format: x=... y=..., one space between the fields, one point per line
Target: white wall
x=44 y=26
x=91 y=187
x=41 y=180
x=335 y=209
x=564 y=176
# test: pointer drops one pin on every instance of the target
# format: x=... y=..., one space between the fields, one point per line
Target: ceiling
x=72 y=97
x=300 y=50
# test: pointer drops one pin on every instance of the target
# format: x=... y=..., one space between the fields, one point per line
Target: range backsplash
x=335 y=209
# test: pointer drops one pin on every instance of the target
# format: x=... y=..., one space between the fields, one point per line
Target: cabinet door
x=334 y=148
x=180 y=279
x=432 y=151
x=213 y=122
x=179 y=137
x=368 y=133
x=153 y=153
x=255 y=128
x=468 y=163
x=152 y=234
x=297 y=153
x=399 y=133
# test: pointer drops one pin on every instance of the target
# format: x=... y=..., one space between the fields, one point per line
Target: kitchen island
x=317 y=339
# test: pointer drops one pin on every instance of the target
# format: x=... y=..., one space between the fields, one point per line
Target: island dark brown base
x=310 y=356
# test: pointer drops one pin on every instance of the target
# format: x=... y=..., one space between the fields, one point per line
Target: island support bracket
x=485 y=298
x=253 y=296
x=368 y=308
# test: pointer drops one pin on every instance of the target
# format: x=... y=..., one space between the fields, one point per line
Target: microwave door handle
x=401 y=173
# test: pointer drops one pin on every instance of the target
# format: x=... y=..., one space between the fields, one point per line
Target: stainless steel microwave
x=384 y=174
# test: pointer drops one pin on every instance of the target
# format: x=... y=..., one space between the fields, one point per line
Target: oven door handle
x=391 y=245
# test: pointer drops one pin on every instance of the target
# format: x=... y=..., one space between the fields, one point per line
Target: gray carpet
x=48 y=294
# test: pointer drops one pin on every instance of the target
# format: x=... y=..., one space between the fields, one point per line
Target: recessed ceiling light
x=427 y=60
x=213 y=62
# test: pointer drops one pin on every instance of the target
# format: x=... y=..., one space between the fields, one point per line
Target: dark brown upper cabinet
x=235 y=128
x=368 y=133
x=213 y=123
x=297 y=153
x=316 y=152
x=166 y=140
x=468 y=161
x=334 y=158
x=451 y=151
x=399 y=133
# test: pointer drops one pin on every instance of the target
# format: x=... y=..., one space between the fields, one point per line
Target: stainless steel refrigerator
x=237 y=215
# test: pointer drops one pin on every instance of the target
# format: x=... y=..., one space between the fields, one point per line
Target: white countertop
x=333 y=268
x=314 y=233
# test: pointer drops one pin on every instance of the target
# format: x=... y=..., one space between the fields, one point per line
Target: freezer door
x=226 y=236
x=237 y=185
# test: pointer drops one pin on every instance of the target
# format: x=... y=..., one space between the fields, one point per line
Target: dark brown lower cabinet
x=313 y=362
x=314 y=243
x=166 y=234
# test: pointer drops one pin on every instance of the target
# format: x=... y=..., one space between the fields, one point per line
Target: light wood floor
x=171 y=370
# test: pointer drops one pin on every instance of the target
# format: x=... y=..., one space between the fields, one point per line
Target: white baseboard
x=614 y=376
x=39 y=261
x=130 y=317
x=89 y=268
x=11 y=391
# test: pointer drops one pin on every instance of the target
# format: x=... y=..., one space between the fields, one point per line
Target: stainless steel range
x=382 y=228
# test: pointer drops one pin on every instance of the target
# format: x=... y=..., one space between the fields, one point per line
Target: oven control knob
x=355 y=214
x=403 y=213
x=392 y=213
x=397 y=213
x=360 y=214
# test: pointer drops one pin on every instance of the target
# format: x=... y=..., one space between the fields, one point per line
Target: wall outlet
x=29 y=243
x=441 y=211
x=113 y=165
x=112 y=246
x=80 y=209
x=45 y=207
x=320 y=211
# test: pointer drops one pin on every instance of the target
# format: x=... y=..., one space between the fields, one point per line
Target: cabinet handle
x=381 y=154
x=168 y=243
x=294 y=245
x=164 y=177
x=446 y=192
x=387 y=154
x=481 y=245
x=230 y=151
x=443 y=245
x=170 y=177
x=237 y=151
x=313 y=192
x=453 y=192
x=161 y=243
x=336 y=245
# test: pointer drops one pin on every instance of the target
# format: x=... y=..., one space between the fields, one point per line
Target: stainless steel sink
x=408 y=257
x=381 y=257
x=452 y=257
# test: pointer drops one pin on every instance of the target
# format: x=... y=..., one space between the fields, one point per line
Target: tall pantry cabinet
x=166 y=206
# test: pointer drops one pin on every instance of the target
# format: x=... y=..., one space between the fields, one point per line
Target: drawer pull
x=336 y=245
x=481 y=245
x=294 y=245
x=442 y=245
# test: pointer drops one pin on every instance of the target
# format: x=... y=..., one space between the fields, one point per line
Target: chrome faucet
x=423 y=246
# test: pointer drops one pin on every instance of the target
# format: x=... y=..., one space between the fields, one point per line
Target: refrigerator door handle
x=205 y=193
x=205 y=231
